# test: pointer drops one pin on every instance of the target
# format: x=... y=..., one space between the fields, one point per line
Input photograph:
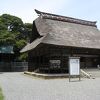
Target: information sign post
x=74 y=67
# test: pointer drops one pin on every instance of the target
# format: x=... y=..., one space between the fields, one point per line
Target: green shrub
x=1 y=95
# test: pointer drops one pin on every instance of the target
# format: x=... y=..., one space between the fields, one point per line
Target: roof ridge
x=65 y=19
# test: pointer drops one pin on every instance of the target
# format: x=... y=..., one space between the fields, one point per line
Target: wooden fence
x=13 y=66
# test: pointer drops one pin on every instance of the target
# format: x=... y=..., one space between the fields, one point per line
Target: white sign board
x=55 y=63
x=74 y=65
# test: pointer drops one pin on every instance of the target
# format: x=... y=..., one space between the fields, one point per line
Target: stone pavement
x=17 y=86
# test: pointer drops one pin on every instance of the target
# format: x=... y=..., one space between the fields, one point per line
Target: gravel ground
x=17 y=86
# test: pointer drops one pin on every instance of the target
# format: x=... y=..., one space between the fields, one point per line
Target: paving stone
x=17 y=86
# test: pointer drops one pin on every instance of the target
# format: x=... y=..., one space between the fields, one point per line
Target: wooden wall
x=40 y=57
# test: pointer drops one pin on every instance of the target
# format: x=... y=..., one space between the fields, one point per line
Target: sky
x=82 y=9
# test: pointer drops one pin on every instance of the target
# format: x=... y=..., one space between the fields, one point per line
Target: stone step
x=93 y=72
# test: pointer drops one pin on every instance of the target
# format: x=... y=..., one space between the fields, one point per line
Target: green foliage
x=14 y=32
x=14 y=23
x=1 y=95
x=20 y=43
x=10 y=27
x=6 y=37
x=23 y=57
x=28 y=30
x=2 y=26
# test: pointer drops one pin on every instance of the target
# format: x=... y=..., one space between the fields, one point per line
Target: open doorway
x=89 y=62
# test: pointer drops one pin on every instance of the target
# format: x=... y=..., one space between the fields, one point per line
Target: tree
x=14 y=32
x=28 y=31
x=10 y=27
x=14 y=23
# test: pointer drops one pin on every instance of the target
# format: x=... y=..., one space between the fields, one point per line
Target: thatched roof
x=32 y=45
x=66 y=31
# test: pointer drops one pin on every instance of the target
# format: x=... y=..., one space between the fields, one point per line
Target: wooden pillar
x=70 y=52
x=61 y=61
x=49 y=58
x=39 y=60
